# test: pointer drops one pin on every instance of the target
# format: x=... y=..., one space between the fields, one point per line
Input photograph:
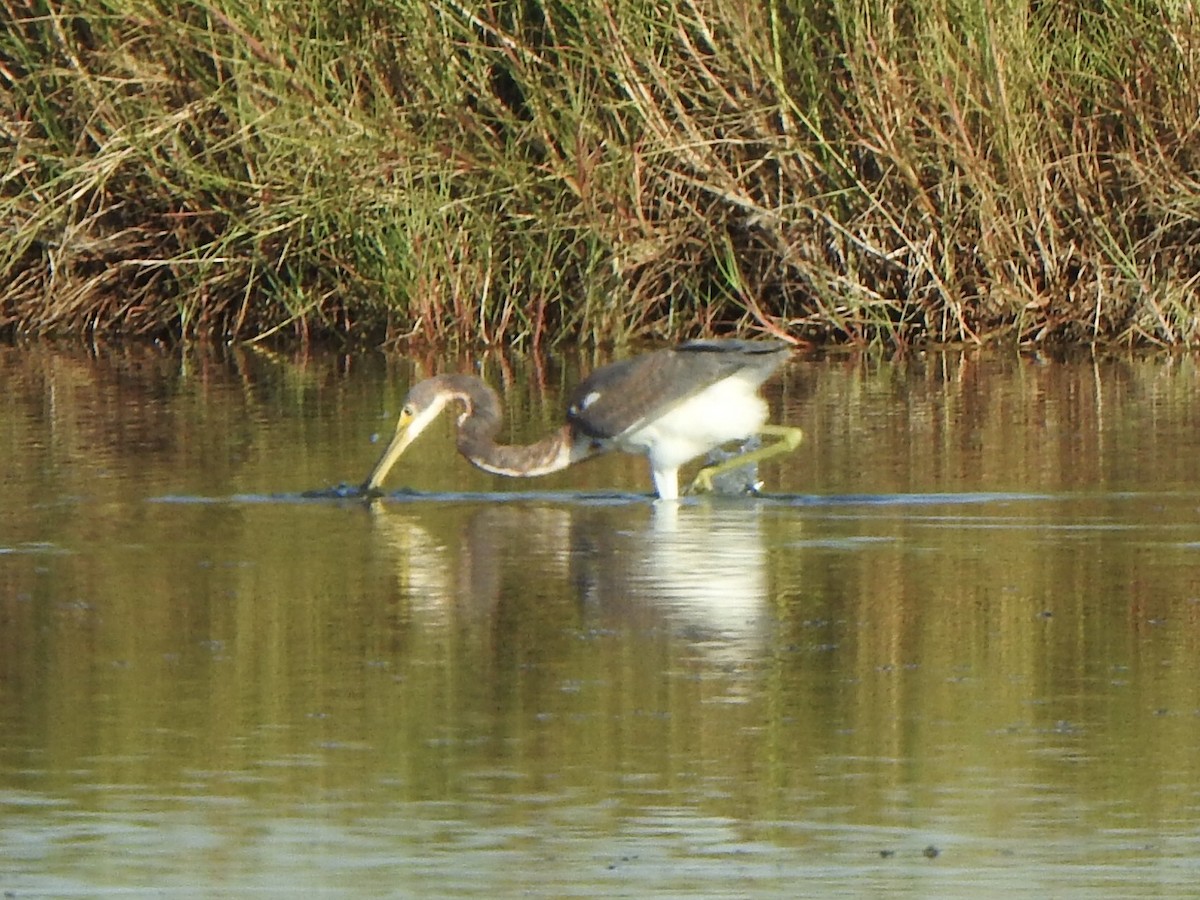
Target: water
x=953 y=652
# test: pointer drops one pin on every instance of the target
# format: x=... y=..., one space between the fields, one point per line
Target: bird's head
x=422 y=405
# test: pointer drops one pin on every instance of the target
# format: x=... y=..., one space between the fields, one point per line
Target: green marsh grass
x=543 y=172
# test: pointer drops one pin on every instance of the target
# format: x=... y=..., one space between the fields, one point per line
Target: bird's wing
x=623 y=396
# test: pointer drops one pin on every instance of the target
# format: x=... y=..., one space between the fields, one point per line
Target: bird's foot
x=702 y=483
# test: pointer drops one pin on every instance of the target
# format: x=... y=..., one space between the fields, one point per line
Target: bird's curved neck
x=479 y=423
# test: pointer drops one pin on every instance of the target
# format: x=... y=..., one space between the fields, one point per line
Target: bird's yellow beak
x=404 y=436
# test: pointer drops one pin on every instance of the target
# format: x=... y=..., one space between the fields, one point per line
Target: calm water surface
x=954 y=653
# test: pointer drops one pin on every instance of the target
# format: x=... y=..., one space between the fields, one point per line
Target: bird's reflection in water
x=700 y=569
x=696 y=570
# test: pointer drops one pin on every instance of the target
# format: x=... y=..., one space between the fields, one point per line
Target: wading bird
x=671 y=406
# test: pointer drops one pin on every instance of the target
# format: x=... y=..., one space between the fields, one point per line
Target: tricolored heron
x=671 y=406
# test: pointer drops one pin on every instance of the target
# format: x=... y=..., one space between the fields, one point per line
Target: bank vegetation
x=889 y=172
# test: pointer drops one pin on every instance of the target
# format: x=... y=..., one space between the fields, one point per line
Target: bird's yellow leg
x=789 y=440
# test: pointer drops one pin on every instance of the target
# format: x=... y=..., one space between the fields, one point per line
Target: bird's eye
x=408 y=412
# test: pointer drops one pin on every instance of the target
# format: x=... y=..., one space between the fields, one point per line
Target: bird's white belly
x=729 y=410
